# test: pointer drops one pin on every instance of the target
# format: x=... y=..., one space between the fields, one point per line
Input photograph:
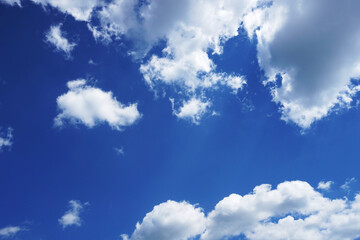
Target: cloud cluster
x=192 y=30
x=309 y=50
x=55 y=37
x=91 y=106
x=306 y=44
x=72 y=216
x=6 y=140
x=294 y=210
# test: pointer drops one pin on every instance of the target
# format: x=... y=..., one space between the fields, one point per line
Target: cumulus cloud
x=170 y=220
x=192 y=110
x=11 y=2
x=10 y=231
x=56 y=38
x=72 y=216
x=325 y=185
x=294 y=210
x=91 y=106
x=311 y=49
x=6 y=140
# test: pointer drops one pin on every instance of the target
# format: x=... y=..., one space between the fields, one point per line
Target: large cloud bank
x=294 y=210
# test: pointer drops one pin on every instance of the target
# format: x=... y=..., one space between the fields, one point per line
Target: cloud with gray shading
x=313 y=48
x=293 y=210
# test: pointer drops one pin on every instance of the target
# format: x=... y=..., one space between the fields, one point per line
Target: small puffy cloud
x=11 y=2
x=325 y=185
x=170 y=220
x=6 y=140
x=311 y=49
x=79 y=9
x=293 y=210
x=90 y=106
x=192 y=110
x=56 y=38
x=9 y=231
x=72 y=216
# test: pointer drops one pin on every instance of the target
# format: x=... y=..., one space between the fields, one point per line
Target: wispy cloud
x=72 y=216
x=10 y=231
x=347 y=184
x=119 y=151
x=55 y=37
x=6 y=140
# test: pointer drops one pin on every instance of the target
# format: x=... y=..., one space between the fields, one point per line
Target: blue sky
x=118 y=112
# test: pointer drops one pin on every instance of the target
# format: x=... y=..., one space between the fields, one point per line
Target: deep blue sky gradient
x=165 y=158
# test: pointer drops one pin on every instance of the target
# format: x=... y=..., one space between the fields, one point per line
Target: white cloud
x=11 y=2
x=170 y=220
x=72 y=216
x=79 y=9
x=6 y=140
x=294 y=210
x=56 y=38
x=325 y=185
x=346 y=185
x=91 y=106
x=10 y=231
x=116 y=18
x=314 y=46
x=193 y=109
x=119 y=151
